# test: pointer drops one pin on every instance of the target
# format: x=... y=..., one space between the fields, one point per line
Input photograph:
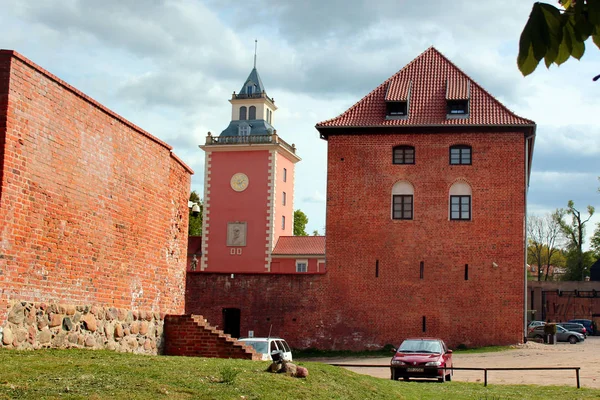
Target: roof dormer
x=397 y=98
x=457 y=98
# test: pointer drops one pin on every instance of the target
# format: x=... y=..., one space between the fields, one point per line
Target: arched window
x=404 y=155
x=402 y=200
x=252 y=112
x=460 y=201
x=460 y=155
x=242 y=112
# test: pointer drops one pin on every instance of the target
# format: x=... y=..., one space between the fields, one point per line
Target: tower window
x=284 y=198
x=252 y=112
x=283 y=222
x=243 y=113
x=249 y=89
x=285 y=175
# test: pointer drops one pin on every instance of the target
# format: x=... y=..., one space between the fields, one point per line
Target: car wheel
x=394 y=377
x=449 y=376
x=573 y=339
x=538 y=337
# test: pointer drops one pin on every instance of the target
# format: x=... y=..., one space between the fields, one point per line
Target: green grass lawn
x=81 y=374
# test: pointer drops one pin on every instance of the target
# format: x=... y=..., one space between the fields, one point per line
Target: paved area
x=585 y=355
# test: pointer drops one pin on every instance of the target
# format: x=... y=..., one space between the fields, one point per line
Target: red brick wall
x=485 y=309
x=93 y=209
x=350 y=307
x=192 y=336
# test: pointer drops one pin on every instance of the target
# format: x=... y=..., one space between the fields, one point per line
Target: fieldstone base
x=43 y=325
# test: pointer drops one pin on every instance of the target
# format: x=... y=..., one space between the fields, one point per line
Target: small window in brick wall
x=466 y=272
x=376 y=268
x=424 y=323
x=422 y=270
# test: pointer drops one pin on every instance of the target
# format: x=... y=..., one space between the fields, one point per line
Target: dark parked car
x=571 y=326
x=420 y=358
x=562 y=335
x=589 y=325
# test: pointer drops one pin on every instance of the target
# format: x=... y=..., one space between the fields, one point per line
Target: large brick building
x=426 y=201
x=93 y=219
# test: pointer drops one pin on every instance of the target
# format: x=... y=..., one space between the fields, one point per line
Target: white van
x=266 y=346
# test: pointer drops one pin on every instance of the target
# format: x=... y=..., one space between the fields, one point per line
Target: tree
x=300 y=221
x=543 y=234
x=195 y=221
x=574 y=231
x=596 y=242
x=557 y=34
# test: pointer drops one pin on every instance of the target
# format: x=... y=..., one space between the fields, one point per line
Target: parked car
x=589 y=325
x=533 y=324
x=572 y=326
x=562 y=335
x=266 y=346
x=420 y=358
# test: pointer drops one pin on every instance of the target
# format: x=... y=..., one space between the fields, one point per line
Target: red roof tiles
x=430 y=74
x=300 y=245
x=457 y=89
x=398 y=90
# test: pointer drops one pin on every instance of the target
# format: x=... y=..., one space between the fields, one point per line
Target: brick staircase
x=192 y=336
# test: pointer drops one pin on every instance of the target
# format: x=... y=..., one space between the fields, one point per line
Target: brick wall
x=353 y=306
x=192 y=336
x=93 y=209
x=485 y=309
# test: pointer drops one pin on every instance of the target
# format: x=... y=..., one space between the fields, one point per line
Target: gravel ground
x=585 y=355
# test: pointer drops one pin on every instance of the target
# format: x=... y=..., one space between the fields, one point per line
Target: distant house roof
x=300 y=245
x=430 y=80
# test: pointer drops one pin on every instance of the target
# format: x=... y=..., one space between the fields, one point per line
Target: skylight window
x=457 y=108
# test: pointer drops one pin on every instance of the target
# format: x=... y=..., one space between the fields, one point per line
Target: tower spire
x=255 y=46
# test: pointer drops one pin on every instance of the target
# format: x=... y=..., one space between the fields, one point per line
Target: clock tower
x=248 y=186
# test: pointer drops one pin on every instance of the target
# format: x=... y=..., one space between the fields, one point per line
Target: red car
x=421 y=358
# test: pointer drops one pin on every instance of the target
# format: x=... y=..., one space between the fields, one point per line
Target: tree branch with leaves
x=556 y=34
x=575 y=231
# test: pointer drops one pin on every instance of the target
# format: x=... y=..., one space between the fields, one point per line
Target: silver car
x=562 y=335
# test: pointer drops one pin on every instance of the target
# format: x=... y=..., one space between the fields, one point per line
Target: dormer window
x=397 y=108
x=396 y=99
x=457 y=98
x=244 y=130
x=458 y=107
x=249 y=89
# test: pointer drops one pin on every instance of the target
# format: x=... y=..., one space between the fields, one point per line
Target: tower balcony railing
x=250 y=139
x=256 y=95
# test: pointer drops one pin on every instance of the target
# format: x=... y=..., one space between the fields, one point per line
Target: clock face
x=239 y=182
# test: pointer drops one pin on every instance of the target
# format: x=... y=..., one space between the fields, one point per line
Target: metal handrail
x=485 y=370
x=250 y=139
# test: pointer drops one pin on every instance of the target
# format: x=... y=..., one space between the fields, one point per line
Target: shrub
x=228 y=374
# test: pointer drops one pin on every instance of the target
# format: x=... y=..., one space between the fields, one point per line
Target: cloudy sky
x=170 y=67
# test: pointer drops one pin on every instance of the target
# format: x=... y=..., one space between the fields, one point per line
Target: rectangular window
x=285 y=175
x=466 y=272
x=284 y=200
x=397 y=108
x=376 y=268
x=301 y=265
x=460 y=207
x=424 y=323
x=460 y=155
x=403 y=206
x=404 y=155
x=283 y=222
x=422 y=270
x=457 y=107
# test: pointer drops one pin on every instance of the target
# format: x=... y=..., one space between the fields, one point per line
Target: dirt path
x=585 y=355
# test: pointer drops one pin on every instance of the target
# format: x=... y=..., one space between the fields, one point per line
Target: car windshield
x=560 y=328
x=420 y=346
x=260 y=347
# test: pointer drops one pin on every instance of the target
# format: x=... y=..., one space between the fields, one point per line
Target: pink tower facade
x=249 y=187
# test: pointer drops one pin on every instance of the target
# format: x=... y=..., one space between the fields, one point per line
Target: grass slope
x=80 y=374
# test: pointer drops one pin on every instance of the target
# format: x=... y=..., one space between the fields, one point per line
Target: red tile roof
x=300 y=245
x=457 y=89
x=430 y=75
x=398 y=90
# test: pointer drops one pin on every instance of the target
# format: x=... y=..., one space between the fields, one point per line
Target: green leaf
x=527 y=62
x=577 y=47
x=593 y=11
x=566 y=3
x=538 y=30
x=555 y=31
x=564 y=50
x=596 y=39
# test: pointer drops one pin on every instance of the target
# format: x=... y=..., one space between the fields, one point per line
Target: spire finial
x=255 y=46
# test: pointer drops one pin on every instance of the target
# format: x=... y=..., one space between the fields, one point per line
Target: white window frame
x=302 y=262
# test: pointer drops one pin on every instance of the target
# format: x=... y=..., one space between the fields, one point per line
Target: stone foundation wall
x=44 y=325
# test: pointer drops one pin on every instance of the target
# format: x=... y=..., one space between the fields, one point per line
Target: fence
x=485 y=370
